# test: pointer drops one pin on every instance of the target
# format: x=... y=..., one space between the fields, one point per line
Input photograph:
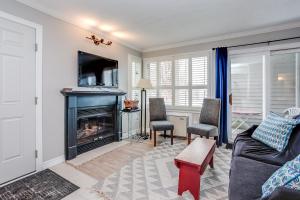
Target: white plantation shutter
x=181 y=97
x=136 y=94
x=135 y=74
x=167 y=95
x=165 y=73
x=182 y=80
x=151 y=73
x=182 y=72
x=151 y=93
x=197 y=97
x=199 y=80
x=199 y=70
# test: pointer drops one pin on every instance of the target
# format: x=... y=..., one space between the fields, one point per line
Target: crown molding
x=225 y=37
x=56 y=15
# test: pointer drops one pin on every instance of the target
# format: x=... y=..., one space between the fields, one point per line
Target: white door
x=17 y=106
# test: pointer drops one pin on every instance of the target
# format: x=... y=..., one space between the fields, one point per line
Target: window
x=165 y=73
x=181 y=80
x=247 y=88
x=182 y=72
x=134 y=75
x=284 y=80
x=167 y=95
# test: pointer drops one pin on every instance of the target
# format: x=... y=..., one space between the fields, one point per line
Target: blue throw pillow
x=288 y=176
x=275 y=131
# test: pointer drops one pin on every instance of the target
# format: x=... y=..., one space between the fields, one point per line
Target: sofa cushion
x=288 y=175
x=248 y=147
x=275 y=131
x=283 y=193
x=246 y=178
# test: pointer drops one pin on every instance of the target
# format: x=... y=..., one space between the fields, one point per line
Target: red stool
x=192 y=162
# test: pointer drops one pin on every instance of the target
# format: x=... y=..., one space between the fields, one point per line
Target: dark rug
x=42 y=185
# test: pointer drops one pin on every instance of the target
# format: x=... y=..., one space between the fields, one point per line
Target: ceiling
x=153 y=24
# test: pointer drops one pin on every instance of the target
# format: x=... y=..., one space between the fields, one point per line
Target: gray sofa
x=253 y=163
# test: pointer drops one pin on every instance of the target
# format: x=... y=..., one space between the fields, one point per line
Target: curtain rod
x=266 y=42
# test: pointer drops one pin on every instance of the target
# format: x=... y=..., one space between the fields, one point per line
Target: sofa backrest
x=293 y=148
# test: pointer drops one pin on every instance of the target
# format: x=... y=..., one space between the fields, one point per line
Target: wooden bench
x=192 y=162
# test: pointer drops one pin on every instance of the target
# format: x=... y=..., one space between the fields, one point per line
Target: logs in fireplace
x=92 y=120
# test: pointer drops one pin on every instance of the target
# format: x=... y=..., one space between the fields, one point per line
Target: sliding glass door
x=284 y=81
x=247 y=91
x=261 y=83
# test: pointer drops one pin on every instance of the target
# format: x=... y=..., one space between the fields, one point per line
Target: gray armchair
x=158 y=118
x=209 y=120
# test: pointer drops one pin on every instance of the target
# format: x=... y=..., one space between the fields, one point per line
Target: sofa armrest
x=246 y=133
x=249 y=131
x=284 y=193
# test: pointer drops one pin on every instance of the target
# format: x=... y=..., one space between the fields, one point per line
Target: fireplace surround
x=92 y=119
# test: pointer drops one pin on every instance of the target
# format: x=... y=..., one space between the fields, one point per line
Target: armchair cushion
x=161 y=125
x=203 y=130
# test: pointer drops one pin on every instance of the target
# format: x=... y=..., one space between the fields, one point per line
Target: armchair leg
x=217 y=138
x=165 y=134
x=171 y=137
x=150 y=134
x=154 y=138
x=189 y=138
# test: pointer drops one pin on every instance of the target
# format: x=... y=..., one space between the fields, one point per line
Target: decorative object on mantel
x=98 y=41
x=130 y=104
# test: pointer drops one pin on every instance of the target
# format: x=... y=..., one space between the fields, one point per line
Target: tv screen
x=96 y=71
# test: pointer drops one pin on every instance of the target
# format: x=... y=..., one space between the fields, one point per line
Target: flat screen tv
x=96 y=71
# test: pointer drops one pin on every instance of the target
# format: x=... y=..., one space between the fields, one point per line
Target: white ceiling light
x=106 y=27
x=120 y=34
x=89 y=22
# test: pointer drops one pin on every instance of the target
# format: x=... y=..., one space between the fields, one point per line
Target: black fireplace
x=92 y=120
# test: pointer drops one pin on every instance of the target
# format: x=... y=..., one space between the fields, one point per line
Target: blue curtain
x=221 y=91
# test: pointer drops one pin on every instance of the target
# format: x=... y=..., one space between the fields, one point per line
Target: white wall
x=61 y=41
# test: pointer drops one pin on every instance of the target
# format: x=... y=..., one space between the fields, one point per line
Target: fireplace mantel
x=88 y=98
x=92 y=91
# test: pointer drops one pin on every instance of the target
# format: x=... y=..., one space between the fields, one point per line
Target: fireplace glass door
x=94 y=124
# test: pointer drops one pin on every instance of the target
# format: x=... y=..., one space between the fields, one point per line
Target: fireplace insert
x=94 y=124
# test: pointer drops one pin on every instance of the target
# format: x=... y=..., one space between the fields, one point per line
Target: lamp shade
x=144 y=83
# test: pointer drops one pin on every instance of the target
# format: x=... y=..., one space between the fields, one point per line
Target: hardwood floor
x=110 y=162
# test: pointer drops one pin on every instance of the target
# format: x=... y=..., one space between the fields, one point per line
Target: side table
x=129 y=113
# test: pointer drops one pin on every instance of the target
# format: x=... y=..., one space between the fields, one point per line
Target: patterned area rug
x=155 y=177
x=42 y=185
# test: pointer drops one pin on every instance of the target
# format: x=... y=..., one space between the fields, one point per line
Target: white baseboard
x=54 y=161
